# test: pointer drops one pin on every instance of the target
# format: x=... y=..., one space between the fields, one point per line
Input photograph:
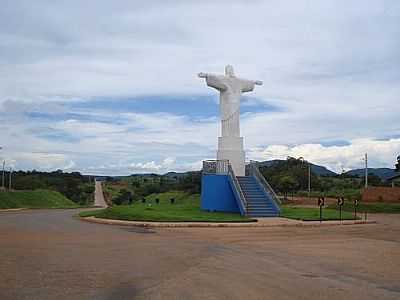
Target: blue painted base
x=217 y=194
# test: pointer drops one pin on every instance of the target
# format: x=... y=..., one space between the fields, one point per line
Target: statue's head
x=229 y=71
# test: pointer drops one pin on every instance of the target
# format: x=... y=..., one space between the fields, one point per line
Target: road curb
x=260 y=223
x=12 y=209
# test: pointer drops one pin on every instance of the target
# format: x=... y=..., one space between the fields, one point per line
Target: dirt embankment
x=381 y=194
x=107 y=198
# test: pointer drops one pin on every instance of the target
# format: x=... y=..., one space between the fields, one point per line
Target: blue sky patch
x=195 y=106
x=339 y=143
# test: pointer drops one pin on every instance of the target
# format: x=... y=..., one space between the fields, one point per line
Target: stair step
x=257 y=195
x=261 y=211
x=250 y=186
x=259 y=203
x=263 y=214
x=260 y=208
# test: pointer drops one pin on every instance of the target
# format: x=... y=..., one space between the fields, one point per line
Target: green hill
x=34 y=199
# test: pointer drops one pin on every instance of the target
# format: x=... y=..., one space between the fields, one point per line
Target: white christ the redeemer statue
x=230 y=144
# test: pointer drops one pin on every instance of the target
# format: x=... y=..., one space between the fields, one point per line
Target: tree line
x=74 y=185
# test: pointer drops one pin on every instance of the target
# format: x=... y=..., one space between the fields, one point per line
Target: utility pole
x=366 y=170
x=309 y=179
x=9 y=182
x=2 y=180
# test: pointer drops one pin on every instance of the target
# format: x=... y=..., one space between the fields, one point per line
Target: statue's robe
x=230 y=88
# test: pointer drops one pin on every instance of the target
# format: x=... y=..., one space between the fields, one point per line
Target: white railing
x=218 y=167
x=254 y=171
x=237 y=189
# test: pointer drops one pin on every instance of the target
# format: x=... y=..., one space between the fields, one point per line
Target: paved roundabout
x=48 y=254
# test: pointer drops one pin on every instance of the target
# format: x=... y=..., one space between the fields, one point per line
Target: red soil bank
x=381 y=194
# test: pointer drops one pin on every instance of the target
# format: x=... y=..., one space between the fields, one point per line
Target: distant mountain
x=269 y=163
x=176 y=174
x=322 y=171
x=383 y=173
x=316 y=169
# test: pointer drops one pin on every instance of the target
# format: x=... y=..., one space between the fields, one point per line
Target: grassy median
x=312 y=214
x=186 y=208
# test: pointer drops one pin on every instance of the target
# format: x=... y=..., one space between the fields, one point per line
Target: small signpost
x=321 y=203
x=355 y=208
x=340 y=204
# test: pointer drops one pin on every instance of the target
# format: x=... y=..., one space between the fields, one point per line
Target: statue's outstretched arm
x=202 y=75
x=215 y=81
x=248 y=85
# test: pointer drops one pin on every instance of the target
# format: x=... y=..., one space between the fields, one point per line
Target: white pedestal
x=231 y=148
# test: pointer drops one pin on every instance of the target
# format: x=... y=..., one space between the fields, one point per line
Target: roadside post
x=321 y=203
x=9 y=180
x=340 y=203
x=2 y=178
x=355 y=208
x=130 y=199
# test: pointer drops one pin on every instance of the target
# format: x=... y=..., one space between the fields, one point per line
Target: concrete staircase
x=259 y=203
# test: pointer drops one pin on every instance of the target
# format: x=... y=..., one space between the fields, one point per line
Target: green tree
x=287 y=184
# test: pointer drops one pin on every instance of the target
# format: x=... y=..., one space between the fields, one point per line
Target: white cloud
x=152 y=166
x=39 y=161
x=337 y=158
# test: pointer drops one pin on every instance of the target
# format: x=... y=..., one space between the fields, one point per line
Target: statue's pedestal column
x=231 y=148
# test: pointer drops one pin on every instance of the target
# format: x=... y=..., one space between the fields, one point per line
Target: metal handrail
x=256 y=172
x=237 y=188
x=218 y=167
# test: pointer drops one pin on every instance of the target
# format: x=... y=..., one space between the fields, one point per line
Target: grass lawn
x=34 y=199
x=185 y=209
x=312 y=214
x=386 y=208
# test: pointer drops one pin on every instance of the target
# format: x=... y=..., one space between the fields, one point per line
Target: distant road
x=98 y=195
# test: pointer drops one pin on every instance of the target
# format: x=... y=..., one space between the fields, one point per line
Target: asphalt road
x=47 y=254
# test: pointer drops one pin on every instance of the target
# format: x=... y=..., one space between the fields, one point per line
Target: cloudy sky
x=110 y=87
